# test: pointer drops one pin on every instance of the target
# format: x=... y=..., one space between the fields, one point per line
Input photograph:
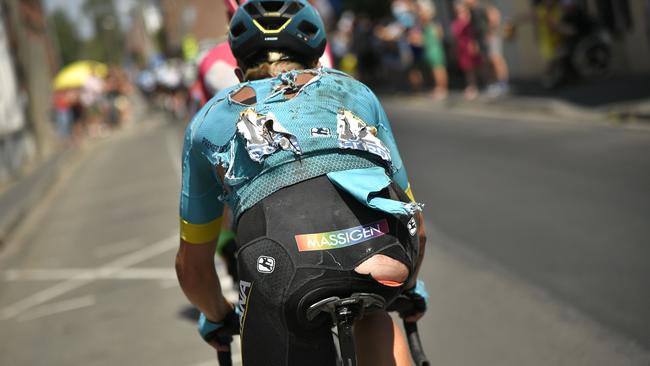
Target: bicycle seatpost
x=345 y=316
x=344 y=312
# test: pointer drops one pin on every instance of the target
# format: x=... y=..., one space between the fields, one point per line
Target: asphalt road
x=564 y=205
x=538 y=248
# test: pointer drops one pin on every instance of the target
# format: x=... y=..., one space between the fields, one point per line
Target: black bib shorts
x=301 y=245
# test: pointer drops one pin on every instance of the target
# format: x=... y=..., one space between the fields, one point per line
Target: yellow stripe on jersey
x=409 y=193
x=202 y=233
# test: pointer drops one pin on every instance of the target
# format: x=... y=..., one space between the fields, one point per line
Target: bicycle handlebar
x=224 y=358
x=224 y=336
x=413 y=337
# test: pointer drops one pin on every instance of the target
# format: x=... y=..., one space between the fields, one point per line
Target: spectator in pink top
x=467 y=49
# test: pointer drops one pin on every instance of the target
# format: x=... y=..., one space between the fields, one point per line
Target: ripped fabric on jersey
x=289 y=85
x=355 y=134
x=264 y=135
x=366 y=184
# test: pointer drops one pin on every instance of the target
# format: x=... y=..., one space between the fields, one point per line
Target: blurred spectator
x=547 y=17
x=434 y=52
x=92 y=101
x=486 y=27
x=112 y=92
x=404 y=13
x=408 y=38
x=146 y=81
x=467 y=49
x=368 y=56
x=417 y=64
x=64 y=116
x=172 y=94
x=479 y=24
x=341 y=44
x=498 y=68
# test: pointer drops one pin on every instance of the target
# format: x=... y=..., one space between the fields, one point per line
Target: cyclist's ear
x=240 y=74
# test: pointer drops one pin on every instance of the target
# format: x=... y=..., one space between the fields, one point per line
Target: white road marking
x=167 y=284
x=83 y=279
x=116 y=248
x=59 y=307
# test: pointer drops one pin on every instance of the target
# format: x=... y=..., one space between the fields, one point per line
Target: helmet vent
x=293 y=8
x=308 y=28
x=272 y=6
x=272 y=23
x=238 y=30
x=252 y=9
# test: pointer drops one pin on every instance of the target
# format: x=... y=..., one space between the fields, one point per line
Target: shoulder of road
x=634 y=114
x=20 y=196
x=619 y=100
x=27 y=191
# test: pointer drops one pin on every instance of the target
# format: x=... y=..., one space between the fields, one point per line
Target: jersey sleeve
x=201 y=210
x=385 y=134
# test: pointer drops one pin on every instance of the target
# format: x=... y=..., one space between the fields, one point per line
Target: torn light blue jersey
x=238 y=154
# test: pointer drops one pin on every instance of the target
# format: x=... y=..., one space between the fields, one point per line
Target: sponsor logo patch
x=321 y=132
x=341 y=238
x=244 y=293
x=413 y=226
x=265 y=264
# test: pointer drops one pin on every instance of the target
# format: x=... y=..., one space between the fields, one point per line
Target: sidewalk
x=17 y=199
x=621 y=99
x=20 y=196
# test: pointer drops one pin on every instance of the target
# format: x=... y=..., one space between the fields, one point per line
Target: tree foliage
x=67 y=36
x=107 y=43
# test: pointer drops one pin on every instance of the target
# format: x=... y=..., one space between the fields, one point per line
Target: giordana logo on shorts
x=265 y=264
x=413 y=226
x=244 y=292
x=341 y=238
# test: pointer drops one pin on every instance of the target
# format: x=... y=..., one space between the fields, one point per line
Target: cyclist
x=305 y=159
x=216 y=68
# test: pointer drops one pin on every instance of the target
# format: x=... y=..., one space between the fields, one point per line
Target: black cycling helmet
x=289 y=26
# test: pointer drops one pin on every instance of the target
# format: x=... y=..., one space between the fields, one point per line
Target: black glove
x=220 y=332
x=412 y=301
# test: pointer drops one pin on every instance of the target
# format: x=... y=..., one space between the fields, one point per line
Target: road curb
x=16 y=201
x=527 y=108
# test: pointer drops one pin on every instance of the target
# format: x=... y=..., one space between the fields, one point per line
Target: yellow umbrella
x=75 y=74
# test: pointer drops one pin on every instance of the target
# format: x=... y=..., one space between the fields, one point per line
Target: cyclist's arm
x=200 y=223
x=199 y=281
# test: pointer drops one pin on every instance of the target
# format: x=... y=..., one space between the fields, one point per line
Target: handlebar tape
x=224 y=358
x=417 y=351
